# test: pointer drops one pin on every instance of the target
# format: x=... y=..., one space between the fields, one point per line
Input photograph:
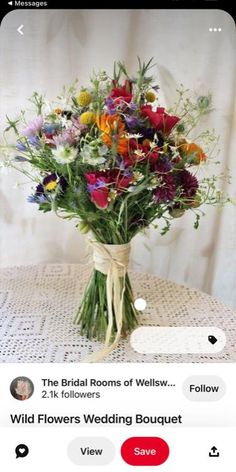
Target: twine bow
x=112 y=260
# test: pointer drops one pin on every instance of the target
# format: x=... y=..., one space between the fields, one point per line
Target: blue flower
x=34 y=141
x=31 y=199
x=36 y=199
x=99 y=184
x=21 y=146
x=49 y=128
x=20 y=158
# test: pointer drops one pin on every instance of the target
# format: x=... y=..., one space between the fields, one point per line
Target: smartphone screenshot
x=117 y=238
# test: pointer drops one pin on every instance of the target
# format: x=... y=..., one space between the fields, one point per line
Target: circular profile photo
x=22 y=388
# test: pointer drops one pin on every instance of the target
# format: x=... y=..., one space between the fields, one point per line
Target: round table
x=38 y=304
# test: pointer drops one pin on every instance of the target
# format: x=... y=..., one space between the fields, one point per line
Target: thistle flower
x=68 y=137
x=166 y=189
x=188 y=182
x=34 y=127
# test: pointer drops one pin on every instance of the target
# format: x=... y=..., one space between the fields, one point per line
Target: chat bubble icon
x=21 y=450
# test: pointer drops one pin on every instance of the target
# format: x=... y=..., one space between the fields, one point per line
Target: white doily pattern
x=38 y=304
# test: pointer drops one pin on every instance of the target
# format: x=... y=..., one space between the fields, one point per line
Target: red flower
x=100 y=197
x=97 y=188
x=122 y=94
x=120 y=180
x=143 y=154
x=91 y=178
x=123 y=181
x=95 y=177
x=159 y=118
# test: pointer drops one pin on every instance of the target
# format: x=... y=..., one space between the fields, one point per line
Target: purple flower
x=34 y=141
x=67 y=137
x=31 y=199
x=147 y=133
x=21 y=146
x=132 y=122
x=34 y=127
x=39 y=189
x=163 y=165
x=20 y=159
x=36 y=199
x=166 y=190
x=51 y=181
x=99 y=184
x=49 y=184
x=188 y=182
x=111 y=106
x=132 y=106
x=39 y=196
x=127 y=173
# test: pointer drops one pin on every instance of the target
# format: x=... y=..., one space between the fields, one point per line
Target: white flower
x=94 y=153
x=64 y=154
x=139 y=153
x=133 y=136
x=65 y=122
x=138 y=176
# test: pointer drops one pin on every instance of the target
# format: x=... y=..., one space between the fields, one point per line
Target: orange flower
x=113 y=130
x=195 y=150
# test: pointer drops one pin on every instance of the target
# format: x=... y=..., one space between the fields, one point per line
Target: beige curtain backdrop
x=59 y=46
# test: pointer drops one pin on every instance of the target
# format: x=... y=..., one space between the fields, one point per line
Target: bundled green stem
x=92 y=315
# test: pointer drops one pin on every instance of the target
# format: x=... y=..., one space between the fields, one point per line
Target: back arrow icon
x=20 y=29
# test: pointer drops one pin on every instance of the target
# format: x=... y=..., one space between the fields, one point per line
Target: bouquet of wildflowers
x=109 y=156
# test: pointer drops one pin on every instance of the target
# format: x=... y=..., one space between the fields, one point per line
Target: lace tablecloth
x=38 y=304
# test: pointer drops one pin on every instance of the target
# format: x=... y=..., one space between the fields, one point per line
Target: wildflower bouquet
x=112 y=158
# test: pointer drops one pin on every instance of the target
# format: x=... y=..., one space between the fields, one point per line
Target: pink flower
x=69 y=137
x=159 y=118
x=34 y=127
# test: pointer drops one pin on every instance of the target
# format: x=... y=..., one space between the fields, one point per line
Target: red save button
x=145 y=451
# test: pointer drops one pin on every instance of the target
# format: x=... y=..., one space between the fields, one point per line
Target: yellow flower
x=150 y=96
x=87 y=118
x=84 y=98
x=51 y=185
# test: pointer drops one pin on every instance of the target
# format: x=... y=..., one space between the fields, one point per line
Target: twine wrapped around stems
x=112 y=260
